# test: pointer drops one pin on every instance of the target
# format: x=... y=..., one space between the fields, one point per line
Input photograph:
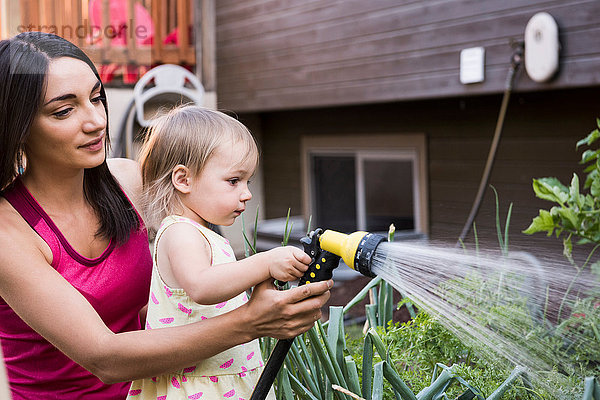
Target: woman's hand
x=287 y=263
x=286 y=314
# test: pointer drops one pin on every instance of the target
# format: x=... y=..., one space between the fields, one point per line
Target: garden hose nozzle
x=325 y=250
x=356 y=249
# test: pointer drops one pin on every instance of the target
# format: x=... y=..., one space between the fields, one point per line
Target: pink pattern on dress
x=189 y=369
x=249 y=356
x=213 y=379
x=162 y=397
x=135 y=392
x=184 y=309
x=226 y=364
x=243 y=373
x=195 y=396
x=148 y=325
x=175 y=383
x=221 y=305
x=153 y=297
x=168 y=291
x=226 y=253
x=230 y=393
x=166 y=321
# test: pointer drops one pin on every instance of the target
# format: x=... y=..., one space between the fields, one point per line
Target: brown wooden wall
x=274 y=55
x=539 y=138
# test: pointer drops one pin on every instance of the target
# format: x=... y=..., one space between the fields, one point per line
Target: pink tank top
x=116 y=284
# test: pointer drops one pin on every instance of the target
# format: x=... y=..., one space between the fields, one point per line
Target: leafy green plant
x=576 y=218
x=577 y=212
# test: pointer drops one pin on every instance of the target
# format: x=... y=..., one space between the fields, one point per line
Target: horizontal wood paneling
x=541 y=130
x=281 y=55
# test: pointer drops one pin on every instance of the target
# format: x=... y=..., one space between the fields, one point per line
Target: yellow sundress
x=231 y=374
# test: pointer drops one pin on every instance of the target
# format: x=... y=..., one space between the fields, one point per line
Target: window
x=367 y=184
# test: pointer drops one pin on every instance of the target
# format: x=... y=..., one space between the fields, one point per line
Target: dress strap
x=174 y=219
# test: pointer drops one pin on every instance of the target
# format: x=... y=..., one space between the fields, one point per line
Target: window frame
x=369 y=147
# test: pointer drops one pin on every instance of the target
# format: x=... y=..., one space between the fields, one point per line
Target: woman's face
x=69 y=130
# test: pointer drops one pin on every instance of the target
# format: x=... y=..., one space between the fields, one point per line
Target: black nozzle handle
x=323 y=262
x=321 y=268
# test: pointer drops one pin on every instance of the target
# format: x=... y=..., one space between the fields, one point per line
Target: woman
x=75 y=264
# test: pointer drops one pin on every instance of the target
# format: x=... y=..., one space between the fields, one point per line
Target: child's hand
x=287 y=263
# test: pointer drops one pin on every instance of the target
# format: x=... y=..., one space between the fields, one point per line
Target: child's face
x=220 y=192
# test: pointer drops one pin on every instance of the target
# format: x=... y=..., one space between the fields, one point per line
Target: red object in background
x=119 y=33
x=118 y=20
x=130 y=73
x=172 y=37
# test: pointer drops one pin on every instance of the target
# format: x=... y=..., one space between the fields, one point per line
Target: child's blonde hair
x=186 y=135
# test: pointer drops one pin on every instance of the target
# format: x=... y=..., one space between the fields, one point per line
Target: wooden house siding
x=539 y=138
x=274 y=55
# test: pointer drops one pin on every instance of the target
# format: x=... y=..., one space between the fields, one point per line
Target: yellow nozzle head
x=342 y=245
x=356 y=249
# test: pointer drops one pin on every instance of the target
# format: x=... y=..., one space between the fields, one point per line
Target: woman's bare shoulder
x=14 y=231
x=128 y=174
x=10 y=220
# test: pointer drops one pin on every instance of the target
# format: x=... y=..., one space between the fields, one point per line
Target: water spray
x=490 y=301
x=325 y=249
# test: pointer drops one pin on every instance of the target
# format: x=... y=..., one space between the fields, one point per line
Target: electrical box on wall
x=472 y=62
x=541 y=47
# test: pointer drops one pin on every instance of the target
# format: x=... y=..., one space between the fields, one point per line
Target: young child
x=196 y=166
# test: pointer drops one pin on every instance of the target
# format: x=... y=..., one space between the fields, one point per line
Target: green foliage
x=581 y=333
x=421 y=346
x=576 y=215
x=421 y=359
x=577 y=209
x=422 y=343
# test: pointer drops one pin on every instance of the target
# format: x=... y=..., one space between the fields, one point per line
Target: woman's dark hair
x=24 y=62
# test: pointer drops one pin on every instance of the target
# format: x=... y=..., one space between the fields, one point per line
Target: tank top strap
x=23 y=202
x=32 y=212
x=18 y=196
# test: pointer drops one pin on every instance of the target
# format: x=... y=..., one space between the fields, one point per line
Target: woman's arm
x=49 y=304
